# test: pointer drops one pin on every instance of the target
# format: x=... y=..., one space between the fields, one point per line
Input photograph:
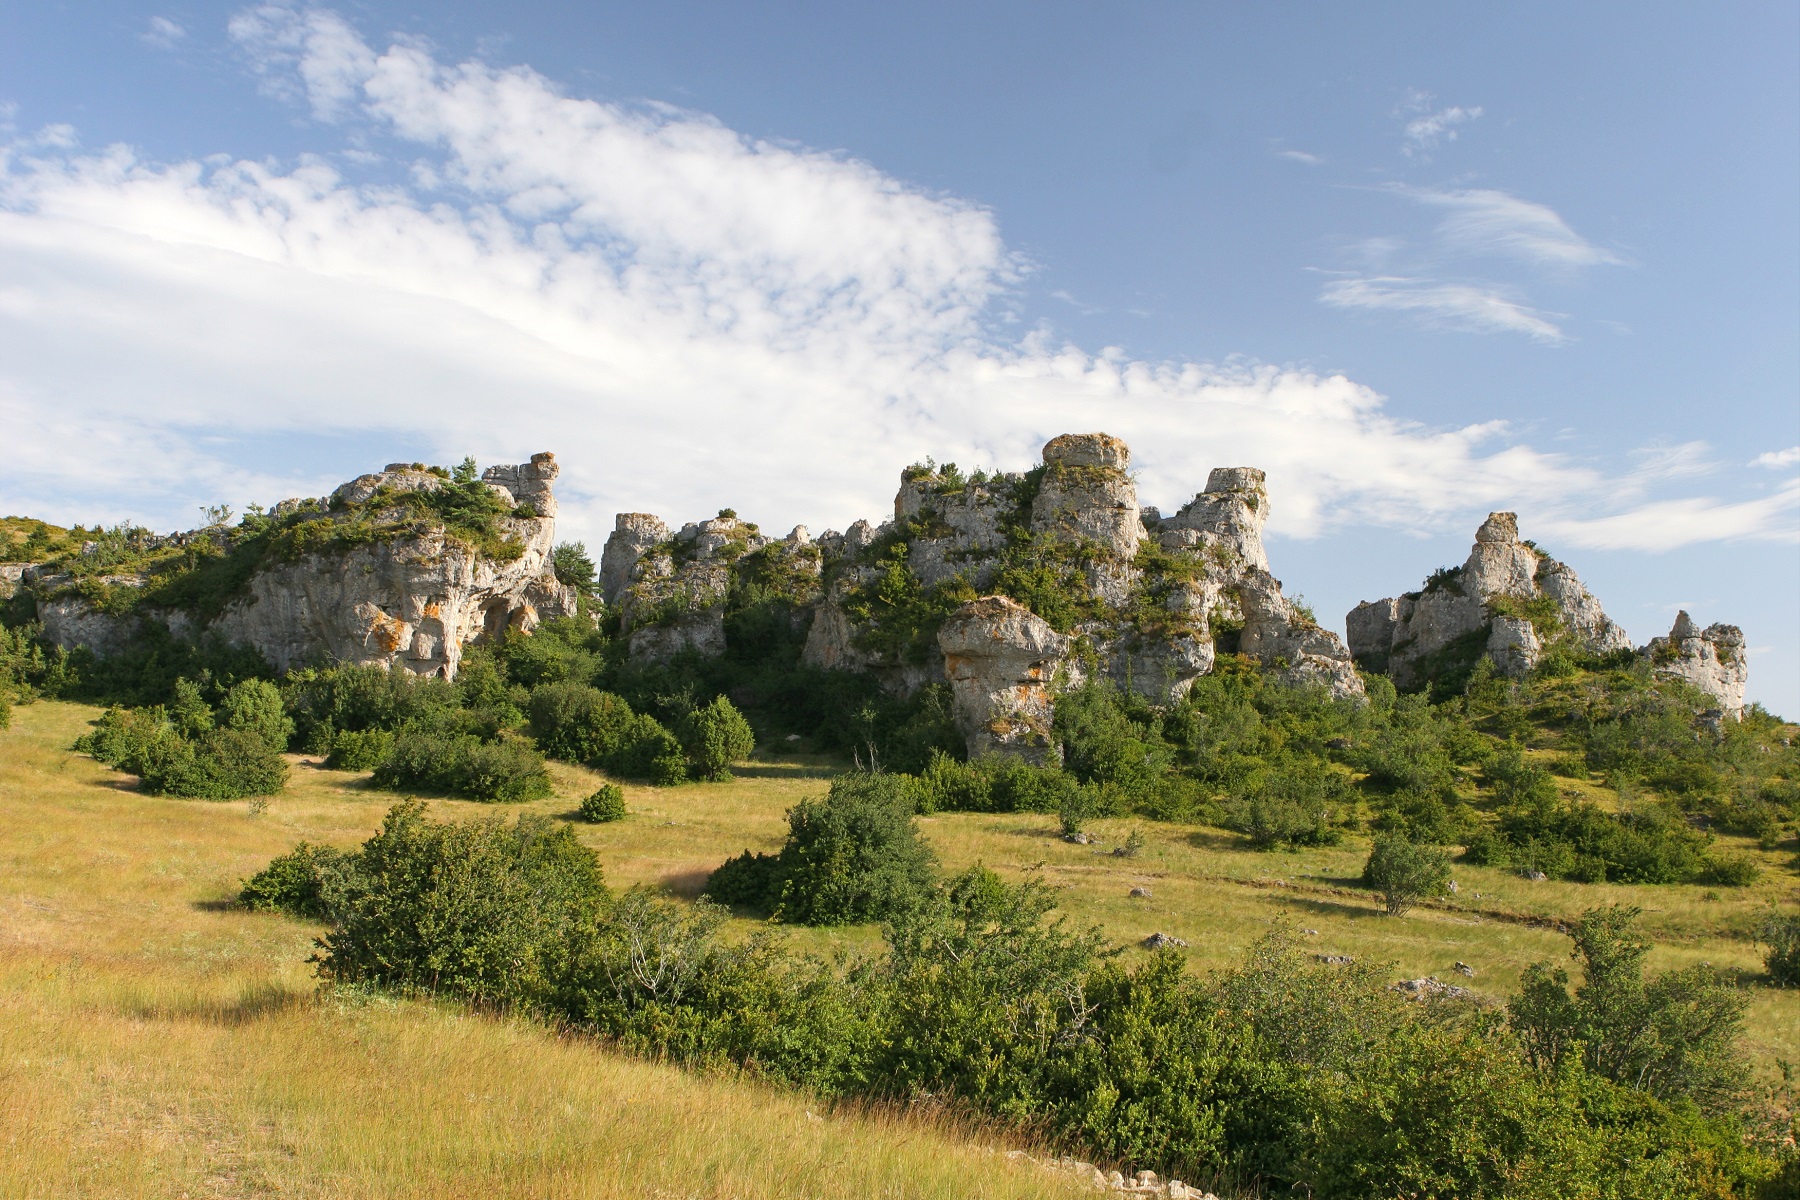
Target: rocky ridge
x=1712 y=659
x=410 y=595
x=944 y=592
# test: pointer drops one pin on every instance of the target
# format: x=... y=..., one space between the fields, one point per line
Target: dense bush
x=444 y=759
x=607 y=803
x=998 y=783
x=183 y=753
x=480 y=909
x=360 y=749
x=1295 y=803
x=579 y=723
x=1405 y=872
x=853 y=855
x=1780 y=933
x=714 y=736
x=1581 y=841
x=297 y=882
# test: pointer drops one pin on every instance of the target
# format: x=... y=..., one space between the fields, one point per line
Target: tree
x=574 y=568
x=714 y=736
x=1675 y=1036
x=1404 y=872
x=254 y=706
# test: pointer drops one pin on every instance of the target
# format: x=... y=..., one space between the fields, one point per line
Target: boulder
x=1712 y=659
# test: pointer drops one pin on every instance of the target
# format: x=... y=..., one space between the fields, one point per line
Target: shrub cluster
x=190 y=749
x=606 y=804
x=854 y=855
x=1282 y=1074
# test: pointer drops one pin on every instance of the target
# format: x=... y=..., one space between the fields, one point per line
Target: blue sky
x=1417 y=261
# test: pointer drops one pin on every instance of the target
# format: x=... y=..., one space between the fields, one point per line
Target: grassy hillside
x=159 y=1041
x=156 y=1041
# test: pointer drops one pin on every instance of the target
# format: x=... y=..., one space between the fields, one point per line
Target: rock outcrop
x=1712 y=659
x=1508 y=601
x=1001 y=659
x=411 y=597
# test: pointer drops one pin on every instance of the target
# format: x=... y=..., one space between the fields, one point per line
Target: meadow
x=155 y=1039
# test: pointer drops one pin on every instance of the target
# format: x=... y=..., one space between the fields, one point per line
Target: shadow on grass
x=779 y=770
x=1217 y=839
x=229 y=904
x=255 y=1003
x=1322 y=907
x=687 y=883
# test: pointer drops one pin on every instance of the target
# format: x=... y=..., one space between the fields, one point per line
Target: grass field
x=155 y=1040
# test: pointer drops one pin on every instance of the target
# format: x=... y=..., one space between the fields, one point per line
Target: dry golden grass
x=156 y=1041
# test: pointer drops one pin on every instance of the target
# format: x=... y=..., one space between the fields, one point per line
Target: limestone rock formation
x=1147 y=600
x=1508 y=600
x=412 y=597
x=1001 y=659
x=1712 y=659
x=671 y=592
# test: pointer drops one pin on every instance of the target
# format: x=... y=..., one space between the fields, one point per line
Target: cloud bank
x=688 y=316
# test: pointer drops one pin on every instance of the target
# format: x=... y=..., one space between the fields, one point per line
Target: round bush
x=607 y=804
x=359 y=749
x=1405 y=872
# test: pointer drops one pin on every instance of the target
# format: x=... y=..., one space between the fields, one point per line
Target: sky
x=1418 y=262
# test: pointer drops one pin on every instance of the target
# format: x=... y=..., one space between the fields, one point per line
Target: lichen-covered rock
x=1001 y=660
x=1480 y=608
x=1225 y=521
x=1087 y=497
x=1712 y=659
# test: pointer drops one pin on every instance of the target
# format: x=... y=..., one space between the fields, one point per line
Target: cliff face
x=1508 y=596
x=405 y=591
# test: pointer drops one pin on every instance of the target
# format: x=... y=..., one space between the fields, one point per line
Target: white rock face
x=1001 y=659
x=1712 y=659
x=413 y=602
x=1401 y=634
x=632 y=535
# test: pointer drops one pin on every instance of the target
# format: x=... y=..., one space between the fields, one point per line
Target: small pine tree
x=607 y=804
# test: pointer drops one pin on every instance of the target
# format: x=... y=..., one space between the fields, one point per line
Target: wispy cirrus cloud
x=1487 y=221
x=1778 y=459
x=1473 y=308
x=163 y=33
x=690 y=317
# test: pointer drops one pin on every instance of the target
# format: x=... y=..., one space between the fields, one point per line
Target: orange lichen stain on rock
x=387 y=632
x=433 y=609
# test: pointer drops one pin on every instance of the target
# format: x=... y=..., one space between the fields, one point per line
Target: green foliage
x=853 y=855
x=1581 y=841
x=714 y=736
x=606 y=804
x=580 y=724
x=297 y=882
x=442 y=758
x=191 y=759
x=1780 y=934
x=480 y=909
x=255 y=707
x=574 y=568
x=360 y=749
x=1675 y=1036
x=1405 y=872
x=1294 y=805
x=998 y=783
x=358 y=698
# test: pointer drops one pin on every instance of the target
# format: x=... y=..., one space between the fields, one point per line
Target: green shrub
x=1729 y=870
x=478 y=908
x=1405 y=872
x=255 y=706
x=580 y=724
x=219 y=764
x=296 y=882
x=651 y=753
x=1293 y=805
x=854 y=855
x=1675 y=1037
x=508 y=771
x=1781 y=934
x=995 y=783
x=360 y=749
x=713 y=737
x=606 y=804
x=1583 y=842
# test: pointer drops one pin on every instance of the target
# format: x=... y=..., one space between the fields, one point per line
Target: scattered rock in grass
x=1310 y=932
x=1140 y=893
x=1157 y=941
x=1463 y=968
x=1534 y=876
x=1428 y=988
x=1081 y=839
x=1336 y=960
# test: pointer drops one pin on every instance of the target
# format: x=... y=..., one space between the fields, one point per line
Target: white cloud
x=163 y=33
x=1671 y=524
x=689 y=317
x=1488 y=221
x=1777 y=459
x=1430 y=126
x=1300 y=156
x=1470 y=307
